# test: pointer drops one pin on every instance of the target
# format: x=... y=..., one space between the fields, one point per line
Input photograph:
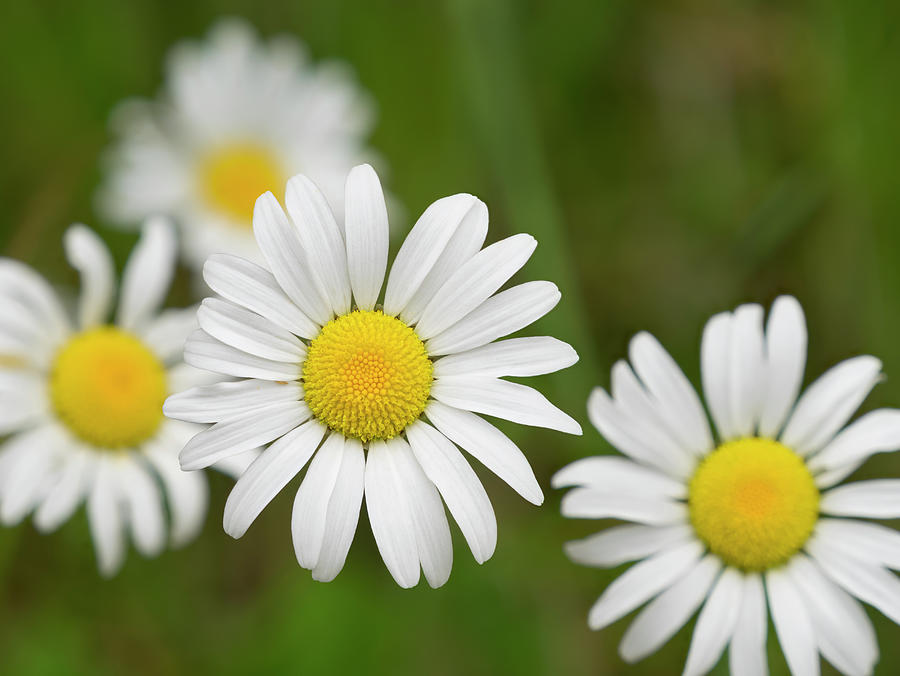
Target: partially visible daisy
x=82 y=402
x=751 y=524
x=376 y=395
x=237 y=117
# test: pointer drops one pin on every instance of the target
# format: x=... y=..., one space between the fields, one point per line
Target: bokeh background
x=672 y=158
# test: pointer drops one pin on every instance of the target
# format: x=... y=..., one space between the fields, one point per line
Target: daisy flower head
x=81 y=402
x=237 y=117
x=378 y=394
x=748 y=523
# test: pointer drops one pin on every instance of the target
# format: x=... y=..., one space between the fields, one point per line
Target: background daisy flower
x=752 y=524
x=82 y=402
x=237 y=117
x=376 y=396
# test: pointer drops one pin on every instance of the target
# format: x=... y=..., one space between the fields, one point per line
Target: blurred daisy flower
x=82 y=403
x=377 y=397
x=749 y=526
x=237 y=117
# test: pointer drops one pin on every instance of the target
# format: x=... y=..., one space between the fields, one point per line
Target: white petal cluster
x=232 y=88
x=47 y=470
x=751 y=379
x=444 y=285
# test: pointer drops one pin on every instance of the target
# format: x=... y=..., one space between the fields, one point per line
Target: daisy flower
x=237 y=117
x=375 y=396
x=82 y=402
x=751 y=524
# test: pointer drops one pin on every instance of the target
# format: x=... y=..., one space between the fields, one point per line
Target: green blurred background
x=673 y=159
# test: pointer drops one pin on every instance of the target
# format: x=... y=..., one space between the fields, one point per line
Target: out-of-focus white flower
x=82 y=402
x=237 y=117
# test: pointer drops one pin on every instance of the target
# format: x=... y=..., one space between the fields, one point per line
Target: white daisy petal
x=677 y=399
x=433 y=540
x=390 y=516
x=187 y=493
x=829 y=402
x=669 y=611
x=88 y=254
x=517 y=357
x=256 y=289
x=268 y=474
x=503 y=399
x=716 y=623
x=793 y=624
x=474 y=281
x=489 y=446
x=67 y=492
x=242 y=433
x=785 y=362
x=498 y=316
x=844 y=633
x=876 y=499
x=106 y=519
x=642 y=441
x=321 y=239
x=167 y=333
x=715 y=372
x=634 y=403
x=587 y=503
x=465 y=243
x=308 y=518
x=279 y=242
x=458 y=484
x=643 y=581
x=14 y=381
x=618 y=476
x=367 y=234
x=747 y=369
x=19 y=281
x=247 y=331
x=23 y=402
x=343 y=512
x=220 y=401
x=205 y=352
x=870 y=541
x=183 y=376
x=32 y=456
x=832 y=477
x=422 y=248
x=235 y=465
x=143 y=506
x=21 y=337
x=747 y=651
x=621 y=544
x=147 y=275
x=875 y=432
x=865 y=580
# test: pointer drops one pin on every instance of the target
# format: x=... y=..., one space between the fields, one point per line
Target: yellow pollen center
x=108 y=388
x=367 y=375
x=754 y=503
x=233 y=176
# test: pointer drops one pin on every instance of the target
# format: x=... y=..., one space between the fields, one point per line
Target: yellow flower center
x=754 y=503
x=233 y=176
x=108 y=388
x=367 y=375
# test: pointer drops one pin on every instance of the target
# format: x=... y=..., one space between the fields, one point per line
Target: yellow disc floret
x=367 y=375
x=754 y=503
x=108 y=388
x=233 y=176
